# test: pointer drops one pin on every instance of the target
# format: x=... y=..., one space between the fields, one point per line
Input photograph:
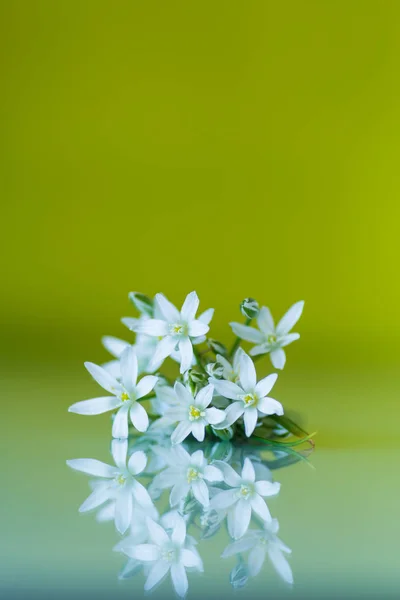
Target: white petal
x=197 y=328
x=290 y=318
x=242 y=516
x=232 y=414
x=248 y=376
x=137 y=462
x=204 y=397
x=95 y=406
x=183 y=394
x=200 y=492
x=96 y=498
x=227 y=389
x=265 y=321
x=129 y=369
x=288 y=339
x=267 y=488
x=179 y=579
x=191 y=559
x=214 y=415
x=156 y=574
x=250 y=416
x=213 y=474
x=190 y=306
x=248 y=473
x=170 y=312
x=256 y=560
x=120 y=424
x=269 y=406
x=206 y=316
x=178 y=492
x=163 y=349
x=232 y=478
x=247 y=333
x=91 y=466
x=141 y=495
x=264 y=386
x=242 y=545
x=186 y=350
x=260 y=508
x=119 y=450
x=103 y=378
x=145 y=385
x=198 y=430
x=131 y=323
x=139 y=417
x=123 y=511
x=280 y=563
x=181 y=432
x=197 y=459
x=155 y=327
x=114 y=345
x=145 y=552
x=278 y=358
x=179 y=531
x=156 y=532
x=261 y=349
x=223 y=499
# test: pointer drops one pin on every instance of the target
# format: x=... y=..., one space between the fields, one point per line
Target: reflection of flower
x=166 y=553
x=118 y=483
x=192 y=413
x=245 y=497
x=261 y=542
x=176 y=329
x=250 y=397
x=269 y=338
x=125 y=396
x=189 y=472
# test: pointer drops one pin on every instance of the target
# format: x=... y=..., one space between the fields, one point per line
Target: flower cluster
x=216 y=391
x=216 y=395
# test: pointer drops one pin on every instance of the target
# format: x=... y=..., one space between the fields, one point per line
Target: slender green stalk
x=199 y=359
x=236 y=343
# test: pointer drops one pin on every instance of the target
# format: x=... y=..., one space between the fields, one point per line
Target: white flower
x=192 y=413
x=270 y=338
x=231 y=371
x=187 y=472
x=119 y=483
x=250 y=397
x=244 y=498
x=125 y=395
x=167 y=553
x=261 y=542
x=177 y=329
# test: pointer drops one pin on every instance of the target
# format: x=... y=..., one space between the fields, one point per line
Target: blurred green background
x=233 y=148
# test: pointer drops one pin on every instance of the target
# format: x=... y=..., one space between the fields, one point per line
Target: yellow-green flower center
x=271 y=339
x=194 y=413
x=192 y=474
x=178 y=329
x=168 y=555
x=249 y=399
x=121 y=479
x=245 y=491
x=124 y=396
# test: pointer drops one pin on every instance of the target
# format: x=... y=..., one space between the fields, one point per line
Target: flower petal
x=141 y=495
x=190 y=306
x=242 y=545
x=95 y=406
x=119 y=451
x=198 y=430
x=163 y=349
x=120 y=423
x=123 y=511
x=186 y=350
x=250 y=417
x=145 y=385
x=247 y=333
x=223 y=499
x=260 y=508
x=131 y=323
x=278 y=358
x=242 y=516
x=137 y=462
x=103 y=378
x=178 y=492
x=214 y=415
x=228 y=389
x=288 y=339
x=129 y=369
x=91 y=466
x=264 y=386
x=197 y=328
x=248 y=473
x=155 y=327
x=232 y=414
x=232 y=478
x=191 y=559
x=181 y=432
x=183 y=394
x=206 y=316
x=156 y=532
x=213 y=474
x=200 y=492
x=269 y=406
x=290 y=318
x=179 y=579
x=179 y=531
x=248 y=376
x=145 y=552
x=96 y=498
x=170 y=312
x=280 y=563
x=139 y=417
x=204 y=397
x=157 y=572
x=114 y=345
x=267 y=488
x=256 y=560
x=265 y=321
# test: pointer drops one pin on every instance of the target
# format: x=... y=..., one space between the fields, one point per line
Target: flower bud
x=223 y=434
x=217 y=347
x=239 y=575
x=143 y=303
x=215 y=370
x=249 y=308
x=195 y=378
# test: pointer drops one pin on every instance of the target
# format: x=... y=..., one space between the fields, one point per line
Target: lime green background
x=235 y=148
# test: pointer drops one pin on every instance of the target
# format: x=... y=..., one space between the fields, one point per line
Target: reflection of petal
x=157 y=573
x=179 y=579
x=256 y=560
x=280 y=563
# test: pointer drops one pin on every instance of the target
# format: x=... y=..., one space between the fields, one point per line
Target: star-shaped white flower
x=268 y=338
x=118 y=483
x=177 y=330
x=187 y=472
x=244 y=497
x=250 y=397
x=260 y=543
x=167 y=553
x=125 y=398
x=193 y=413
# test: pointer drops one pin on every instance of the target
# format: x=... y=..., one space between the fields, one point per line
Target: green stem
x=289 y=444
x=257 y=357
x=199 y=359
x=236 y=343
